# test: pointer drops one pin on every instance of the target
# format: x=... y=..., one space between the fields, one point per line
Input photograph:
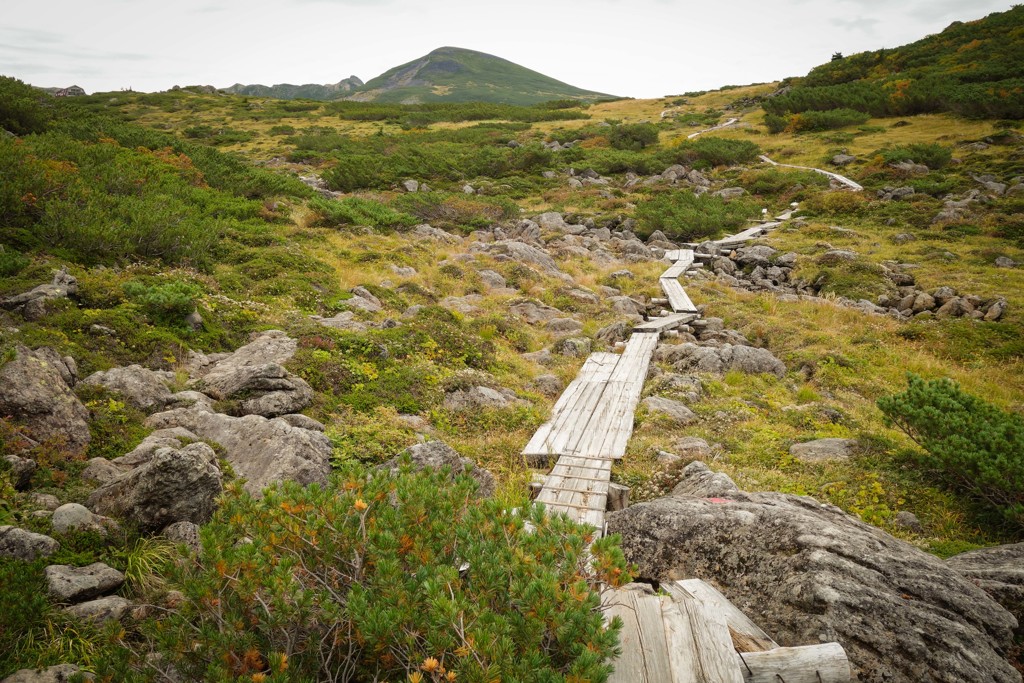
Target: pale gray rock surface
x=186 y=533
x=69 y=584
x=25 y=545
x=110 y=608
x=700 y=481
x=675 y=411
x=143 y=388
x=689 y=357
x=260 y=450
x=175 y=485
x=822 y=450
x=816 y=574
x=76 y=517
x=999 y=571
x=60 y=673
x=35 y=389
x=479 y=397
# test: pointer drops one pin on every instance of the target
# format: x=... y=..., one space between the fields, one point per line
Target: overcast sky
x=638 y=48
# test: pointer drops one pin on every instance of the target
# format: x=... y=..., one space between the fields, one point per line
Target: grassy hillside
x=451 y=74
x=167 y=202
x=974 y=68
x=287 y=91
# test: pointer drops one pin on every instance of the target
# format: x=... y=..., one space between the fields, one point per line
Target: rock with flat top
x=669 y=409
x=110 y=608
x=75 y=517
x=69 y=584
x=823 y=450
x=60 y=673
x=479 y=397
x=140 y=387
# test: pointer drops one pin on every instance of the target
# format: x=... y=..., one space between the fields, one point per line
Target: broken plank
x=746 y=635
x=822 y=663
x=663 y=323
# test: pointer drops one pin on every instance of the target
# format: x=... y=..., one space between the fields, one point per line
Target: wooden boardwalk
x=856 y=187
x=691 y=633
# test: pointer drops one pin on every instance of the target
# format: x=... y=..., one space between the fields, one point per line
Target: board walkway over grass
x=691 y=633
x=843 y=180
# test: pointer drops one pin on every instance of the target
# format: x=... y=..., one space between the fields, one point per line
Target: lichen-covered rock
x=186 y=533
x=817 y=574
x=143 y=388
x=478 y=397
x=438 y=455
x=25 y=545
x=999 y=571
x=690 y=357
x=821 y=450
x=701 y=481
x=255 y=374
x=260 y=450
x=110 y=608
x=35 y=389
x=21 y=471
x=69 y=584
x=76 y=517
x=174 y=485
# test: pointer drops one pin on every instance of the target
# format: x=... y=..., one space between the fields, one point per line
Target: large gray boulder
x=76 y=517
x=69 y=584
x=816 y=574
x=534 y=312
x=437 y=455
x=175 y=485
x=689 y=357
x=520 y=252
x=255 y=374
x=35 y=389
x=998 y=571
x=25 y=545
x=143 y=388
x=479 y=397
x=261 y=450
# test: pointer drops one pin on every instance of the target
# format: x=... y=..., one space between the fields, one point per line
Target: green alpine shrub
x=687 y=216
x=392 y=577
x=972 y=446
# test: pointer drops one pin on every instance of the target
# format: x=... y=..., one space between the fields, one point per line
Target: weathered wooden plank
x=748 y=234
x=678 y=299
x=644 y=657
x=683 y=660
x=856 y=187
x=712 y=649
x=676 y=270
x=666 y=322
x=746 y=635
x=823 y=663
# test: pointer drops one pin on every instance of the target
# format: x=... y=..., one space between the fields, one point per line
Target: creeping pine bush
x=387 y=576
x=971 y=445
x=166 y=302
x=688 y=216
x=930 y=154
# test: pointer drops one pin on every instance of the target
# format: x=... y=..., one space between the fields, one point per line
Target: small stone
x=1005 y=262
x=22 y=470
x=110 y=608
x=75 y=584
x=25 y=545
x=46 y=501
x=909 y=521
x=692 y=447
x=673 y=410
x=186 y=533
x=821 y=450
x=75 y=517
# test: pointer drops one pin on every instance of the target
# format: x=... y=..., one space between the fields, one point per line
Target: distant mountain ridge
x=453 y=74
x=448 y=74
x=308 y=91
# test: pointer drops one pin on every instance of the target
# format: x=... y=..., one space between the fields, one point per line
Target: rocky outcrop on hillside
x=761 y=268
x=35 y=389
x=141 y=387
x=815 y=574
x=999 y=571
x=33 y=303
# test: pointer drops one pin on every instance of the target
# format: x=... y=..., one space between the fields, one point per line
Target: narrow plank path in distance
x=856 y=187
x=690 y=633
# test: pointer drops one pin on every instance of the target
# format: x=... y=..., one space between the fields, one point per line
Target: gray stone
x=143 y=388
x=185 y=533
x=69 y=584
x=943 y=294
x=428 y=232
x=45 y=501
x=690 y=357
x=692 y=447
x=923 y=302
x=701 y=481
x=466 y=305
x=25 y=545
x=62 y=285
x=255 y=373
x=303 y=422
x=174 y=485
x=673 y=410
x=665 y=458
x=534 y=312
x=520 y=252
x=563 y=326
x=75 y=517
x=627 y=307
x=549 y=385
x=60 y=673
x=909 y=521
x=999 y=571
x=730 y=192
x=100 y=610
x=493 y=279
x=438 y=455
x=823 y=450
x=35 y=389
x=996 y=310
x=616 y=332
x=410 y=185
x=480 y=397
x=833 y=256
x=259 y=450
x=551 y=222
x=1005 y=262
x=576 y=347
x=21 y=471
x=843 y=159
x=816 y=574
x=758 y=255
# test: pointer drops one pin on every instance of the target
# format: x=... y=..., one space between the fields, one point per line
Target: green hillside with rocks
x=268 y=369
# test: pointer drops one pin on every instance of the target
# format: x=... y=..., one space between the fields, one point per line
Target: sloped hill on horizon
x=308 y=91
x=452 y=74
x=974 y=69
